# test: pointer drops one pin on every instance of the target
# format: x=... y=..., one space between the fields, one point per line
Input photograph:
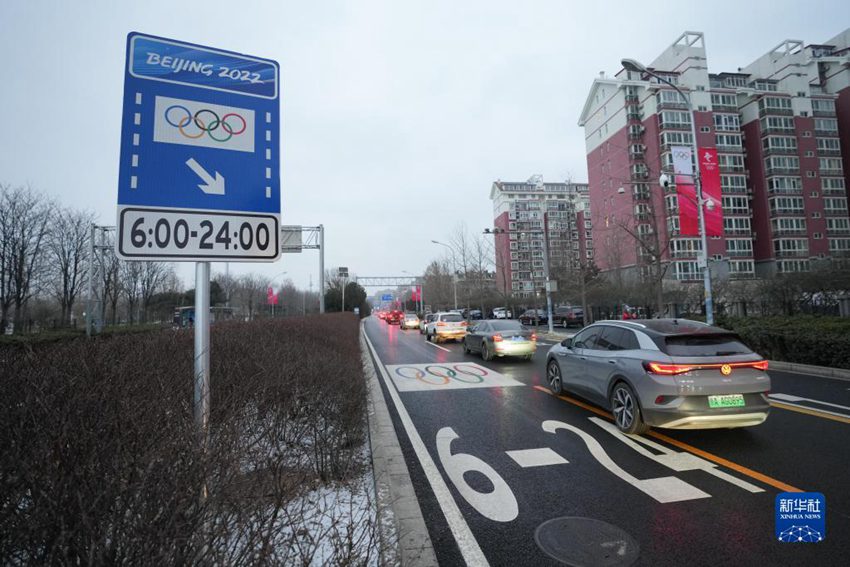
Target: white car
x=502 y=313
x=445 y=326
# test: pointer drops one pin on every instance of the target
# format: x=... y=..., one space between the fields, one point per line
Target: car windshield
x=451 y=318
x=411 y=317
x=506 y=326
x=705 y=345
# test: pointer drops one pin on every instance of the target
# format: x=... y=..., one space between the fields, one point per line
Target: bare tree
x=250 y=292
x=153 y=276
x=110 y=280
x=68 y=249
x=130 y=285
x=24 y=222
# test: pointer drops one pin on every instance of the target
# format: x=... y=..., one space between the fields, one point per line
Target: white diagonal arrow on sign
x=210 y=185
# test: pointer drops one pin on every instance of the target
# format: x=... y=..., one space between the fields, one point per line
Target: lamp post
x=454 y=263
x=634 y=66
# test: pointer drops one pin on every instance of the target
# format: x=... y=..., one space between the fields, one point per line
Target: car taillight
x=497 y=338
x=441 y=324
x=463 y=323
x=667 y=369
x=760 y=365
x=533 y=336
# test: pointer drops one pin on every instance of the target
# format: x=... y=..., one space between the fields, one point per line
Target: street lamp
x=454 y=263
x=634 y=66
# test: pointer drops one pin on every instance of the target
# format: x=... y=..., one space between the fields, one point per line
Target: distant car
x=496 y=337
x=445 y=326
x=409 y=321
x=475 y=315
x=394 y=317
x=424 y=322
x=382 y=315
x=533 y=316
x=668 y=373
x=567 y=316
x=502 y=313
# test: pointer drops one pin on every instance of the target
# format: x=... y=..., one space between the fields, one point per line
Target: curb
x=822 y=371
x=402 y=533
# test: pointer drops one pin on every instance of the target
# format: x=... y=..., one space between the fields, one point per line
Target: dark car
x=394 y=317
x=533 y=317
x=475 y=315
x=568 y=316
x=670 y=373
x=499 y=337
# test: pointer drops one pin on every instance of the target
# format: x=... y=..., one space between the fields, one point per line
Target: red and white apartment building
x=527 y=212
x=781 y=127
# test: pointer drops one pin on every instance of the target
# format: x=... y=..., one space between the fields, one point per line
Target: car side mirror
x=567 y=343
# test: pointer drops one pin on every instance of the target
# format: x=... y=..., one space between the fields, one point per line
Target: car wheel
x=528 y=357
x=466 y=348
x=626 y=410
x=485 y=352
x=553 y=375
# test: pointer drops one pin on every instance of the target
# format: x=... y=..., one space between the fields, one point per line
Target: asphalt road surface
x=508 y=474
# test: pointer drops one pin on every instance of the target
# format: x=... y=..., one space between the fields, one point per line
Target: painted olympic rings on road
x=206 y=121
x=444 y=373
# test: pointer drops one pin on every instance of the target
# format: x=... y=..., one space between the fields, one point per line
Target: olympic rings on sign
x=227 y=123
x=445 y=373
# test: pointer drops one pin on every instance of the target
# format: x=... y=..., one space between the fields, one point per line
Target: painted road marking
x=466 y=542
x=536 y=457
x=689 y=448
x=437 y=346
x=790 y=398
x=663 y=489
x=446 y=376
x=671 y=459
x=831 y=415
x=499 y=503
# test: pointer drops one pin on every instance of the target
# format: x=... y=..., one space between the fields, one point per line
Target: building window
x=839 y=245
x=741 y=267
x=780 y=144
x=829 y=145
x=727 y=122
x=790 y=266
x=705 y=129
x=832 y=185
x=787 y=205
x=686 y=271
x=816 y=215
x=823 y=105
x=835 y=204
x=718 y=99
x=777 y=124
x=775 y=103
x=807 y=133
x=783 y=185
x=788 y=225
x=828 y=126
x=739 y=247
x=831 y=166
x=811 y=174
x=736 y=205
x=817 y=236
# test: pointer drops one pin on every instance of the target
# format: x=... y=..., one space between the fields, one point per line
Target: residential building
x=781 y=152
x=526 y=213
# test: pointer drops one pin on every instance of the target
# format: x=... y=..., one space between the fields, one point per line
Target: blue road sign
x=386 y=297
x=199 y=177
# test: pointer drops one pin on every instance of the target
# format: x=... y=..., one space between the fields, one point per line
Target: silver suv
x=670 y=373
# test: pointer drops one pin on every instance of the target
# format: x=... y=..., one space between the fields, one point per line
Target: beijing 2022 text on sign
x=199 y=177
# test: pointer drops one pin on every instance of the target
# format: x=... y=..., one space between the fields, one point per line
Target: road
x=494 y=456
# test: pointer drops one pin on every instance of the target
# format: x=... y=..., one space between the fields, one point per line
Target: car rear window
x=506 y=325
x=452 y=318
x=705 y=345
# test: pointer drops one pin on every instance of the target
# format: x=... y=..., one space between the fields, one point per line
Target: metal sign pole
x=321 y=268
x=343 y=294
x=89 y=301
x=202 y=350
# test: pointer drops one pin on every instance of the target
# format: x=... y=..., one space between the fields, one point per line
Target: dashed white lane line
x=437 y=346
x=466 y=542
x=536 y=457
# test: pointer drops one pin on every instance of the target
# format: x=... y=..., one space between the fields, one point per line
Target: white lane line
x=437 y=346
x=466 y=542
x=663 y=489
x=790 y=398
x=678 y=461
x=536 y=457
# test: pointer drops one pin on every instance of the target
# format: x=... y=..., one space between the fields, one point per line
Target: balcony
x=729 y=148
x=639 y=175
x=779 y=151
x=774 y=170
x=671 y=105
x=724 y=107
x=823 y=152
x=737 y=231
x=789 y=232
x=791 y=253
x=823 y=113
x=632 y=98
x=832 y=172
x=637 y=155
x=834 y=192
x=827 y=133
x=771 y=111
x=731 y=168
x=779 y=211
x=631 y=115
x=834 y=212
x=734 y=190
x=675 y=126
x=739 y=253
x=685 y=254
x=785 y=191
x=838 y=231
x=781 y=131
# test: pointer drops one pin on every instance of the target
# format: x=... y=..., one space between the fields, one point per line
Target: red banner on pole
x=709 y=174
x=688 y=215
x=271 y=297
x=416 y=293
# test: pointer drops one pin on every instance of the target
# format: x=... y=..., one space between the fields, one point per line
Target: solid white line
x=437 y=346
x=818 y=410
x=536 y=457
x=466 y=542
x=790 y=398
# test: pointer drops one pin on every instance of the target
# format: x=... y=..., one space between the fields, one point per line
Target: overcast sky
x=397 y=116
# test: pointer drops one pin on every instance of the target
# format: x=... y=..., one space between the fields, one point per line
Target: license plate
x=518 y=338
x=728 y=401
